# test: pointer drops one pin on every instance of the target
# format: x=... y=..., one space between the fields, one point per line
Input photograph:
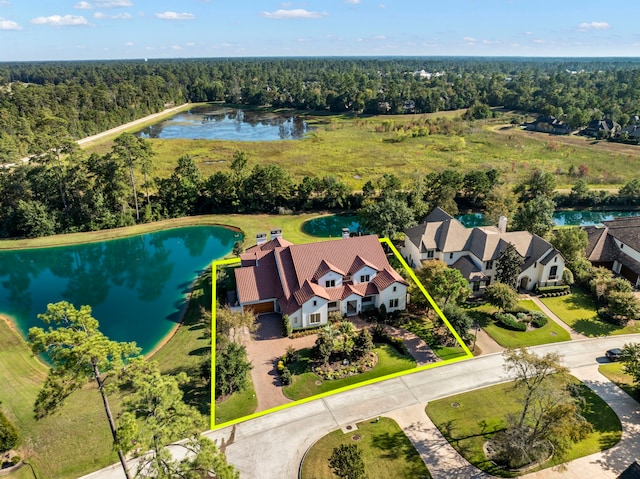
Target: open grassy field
x=354 y=150
x=549 y=333
x=386 y=452
x=480 y=414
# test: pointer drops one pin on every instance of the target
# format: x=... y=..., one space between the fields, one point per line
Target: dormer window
x=430 y=254
x=330 y=283
x=489 y=264
x=365 y=278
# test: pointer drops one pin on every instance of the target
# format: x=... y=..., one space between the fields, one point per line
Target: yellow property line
x=433 y=304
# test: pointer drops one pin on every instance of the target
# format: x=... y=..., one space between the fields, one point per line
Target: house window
x=430 y=254
x=295 y=320
x=395 y=288
x=315 y=303
x=621 y=245
x=476 y=286
x=393 y=303
x=450 y=255
x=553 y=272
x=489 y=264
x=364 y=278
x=488 y=280
x=367 y=299
x=314 y=318
x=332 y=304
x=330 y=283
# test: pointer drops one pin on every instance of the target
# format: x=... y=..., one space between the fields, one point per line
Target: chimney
x=502 y=224
x=261 y=238
x=275 y=234
x=345 y=233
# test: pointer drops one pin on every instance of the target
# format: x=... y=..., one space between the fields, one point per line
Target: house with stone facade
x=474 y=251
x=309 y=281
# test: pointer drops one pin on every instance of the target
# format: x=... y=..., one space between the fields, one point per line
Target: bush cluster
x=381 y=336
x=553 y=291
x=509 y=321
x=517 y=320
x=8 y=434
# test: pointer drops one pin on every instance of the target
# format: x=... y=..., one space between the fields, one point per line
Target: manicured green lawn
x=237 y=405
x=304 y=381
x=579 y=311
x=613 y=372
x=478 y=415
x=549 y=333
x=423 y=328
x=386 y=452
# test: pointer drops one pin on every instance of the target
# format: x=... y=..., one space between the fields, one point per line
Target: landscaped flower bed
x=343 y=369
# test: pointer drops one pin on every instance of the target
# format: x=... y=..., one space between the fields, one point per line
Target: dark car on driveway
x=614 y=354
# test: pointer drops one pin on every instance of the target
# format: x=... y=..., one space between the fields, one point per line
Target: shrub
x=539 y=320
x=553 y=289
x=382 y=313
x=8 y=434
x=509 y=321
x=285 y=376
x=335 y=317
x=280 y=366
x=287 y=328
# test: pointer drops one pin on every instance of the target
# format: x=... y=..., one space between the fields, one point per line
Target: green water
x=331 y=226
x=135 y=285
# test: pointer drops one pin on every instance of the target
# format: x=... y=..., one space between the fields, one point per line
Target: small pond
x=222 y=123
x=331 y=226
x=136 y=286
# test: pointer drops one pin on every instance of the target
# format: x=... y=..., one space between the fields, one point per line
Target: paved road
x=272 y=446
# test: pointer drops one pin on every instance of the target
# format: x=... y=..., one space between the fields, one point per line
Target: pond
x=223 y=123
x=135 y=285
x=331 y=226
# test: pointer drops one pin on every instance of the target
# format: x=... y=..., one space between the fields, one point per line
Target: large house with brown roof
x=309 y=281
x=474 y=251
x=616 y=246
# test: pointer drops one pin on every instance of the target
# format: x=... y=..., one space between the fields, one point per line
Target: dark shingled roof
x=626 y=230
x=631 y=472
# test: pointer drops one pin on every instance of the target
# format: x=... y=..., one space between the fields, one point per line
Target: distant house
x=630 y=132
x=601 y=128
x=548 y=124
x=474 y=251
x=616 y=246
x=309 y=281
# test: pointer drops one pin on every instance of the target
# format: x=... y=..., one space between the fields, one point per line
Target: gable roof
x=291 y=272
x=444 y=233
x=626 y=230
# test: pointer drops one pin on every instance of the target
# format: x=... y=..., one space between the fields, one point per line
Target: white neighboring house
x=474 y=251
x=309 y=281
x=616 y=246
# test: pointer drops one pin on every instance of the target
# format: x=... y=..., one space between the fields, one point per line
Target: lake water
x=135 y=285
x=331 y=226
x=221 y=123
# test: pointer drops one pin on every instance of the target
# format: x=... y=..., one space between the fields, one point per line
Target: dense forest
x=45 y=107
x=88 y=97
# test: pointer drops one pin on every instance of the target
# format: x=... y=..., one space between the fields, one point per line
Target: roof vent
x=261 y=238
x=345 y=233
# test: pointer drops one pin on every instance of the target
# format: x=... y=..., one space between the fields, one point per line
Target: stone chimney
x=261 y=238
x=276 y=233
x=502 y=224
x=345 y=233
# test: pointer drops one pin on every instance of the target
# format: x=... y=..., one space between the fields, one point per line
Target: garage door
x=260 y=308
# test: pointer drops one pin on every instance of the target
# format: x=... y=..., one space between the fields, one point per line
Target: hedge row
x=555 y=294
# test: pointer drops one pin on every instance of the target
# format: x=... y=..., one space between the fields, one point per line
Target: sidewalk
x=572 y=332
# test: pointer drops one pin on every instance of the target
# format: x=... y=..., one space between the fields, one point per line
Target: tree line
x=93 y=96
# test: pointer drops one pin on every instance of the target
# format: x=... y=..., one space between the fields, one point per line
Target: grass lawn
x=549 y=333
x=237 y=405
x=386 y=452
x=304 y=381
x=613 y=372
x=579 y=311
x=480 y=414
x=423 y=329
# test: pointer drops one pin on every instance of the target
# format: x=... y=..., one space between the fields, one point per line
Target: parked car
x=614 y=354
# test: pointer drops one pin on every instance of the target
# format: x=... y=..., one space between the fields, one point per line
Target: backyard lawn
x=306 y=383
x=468 y=420
x=579 y=311
x=386 y=452
x=549 y=333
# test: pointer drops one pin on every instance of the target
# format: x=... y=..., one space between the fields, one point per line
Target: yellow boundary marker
x=226 y=262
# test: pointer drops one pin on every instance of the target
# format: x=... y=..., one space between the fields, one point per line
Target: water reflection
x=135 y=285
x=221 y=123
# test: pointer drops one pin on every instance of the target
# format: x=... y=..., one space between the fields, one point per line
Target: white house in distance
x=474 y=251
x=309 y=281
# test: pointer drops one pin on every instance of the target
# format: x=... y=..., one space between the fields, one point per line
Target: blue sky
x=115 y=29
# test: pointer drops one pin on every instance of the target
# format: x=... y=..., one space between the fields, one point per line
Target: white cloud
x=352 y=2
x=119 y=16
x=470 y=40
x=528 y=33
x=539 y=42
x=176 y=47
x=4 y=3
x=380 y=37
x=175 y=16
x=83 y=6
x=128 y=44
x=583 y=27
x=9 y=25
x=381 y=5
x=113 y=3
x=61 y=20
x=295 y=13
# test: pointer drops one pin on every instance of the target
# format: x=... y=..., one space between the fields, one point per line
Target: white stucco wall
x=365 y=270
x=628 y=250
x=331 y=275
x=309 y=308
x=387 y=294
